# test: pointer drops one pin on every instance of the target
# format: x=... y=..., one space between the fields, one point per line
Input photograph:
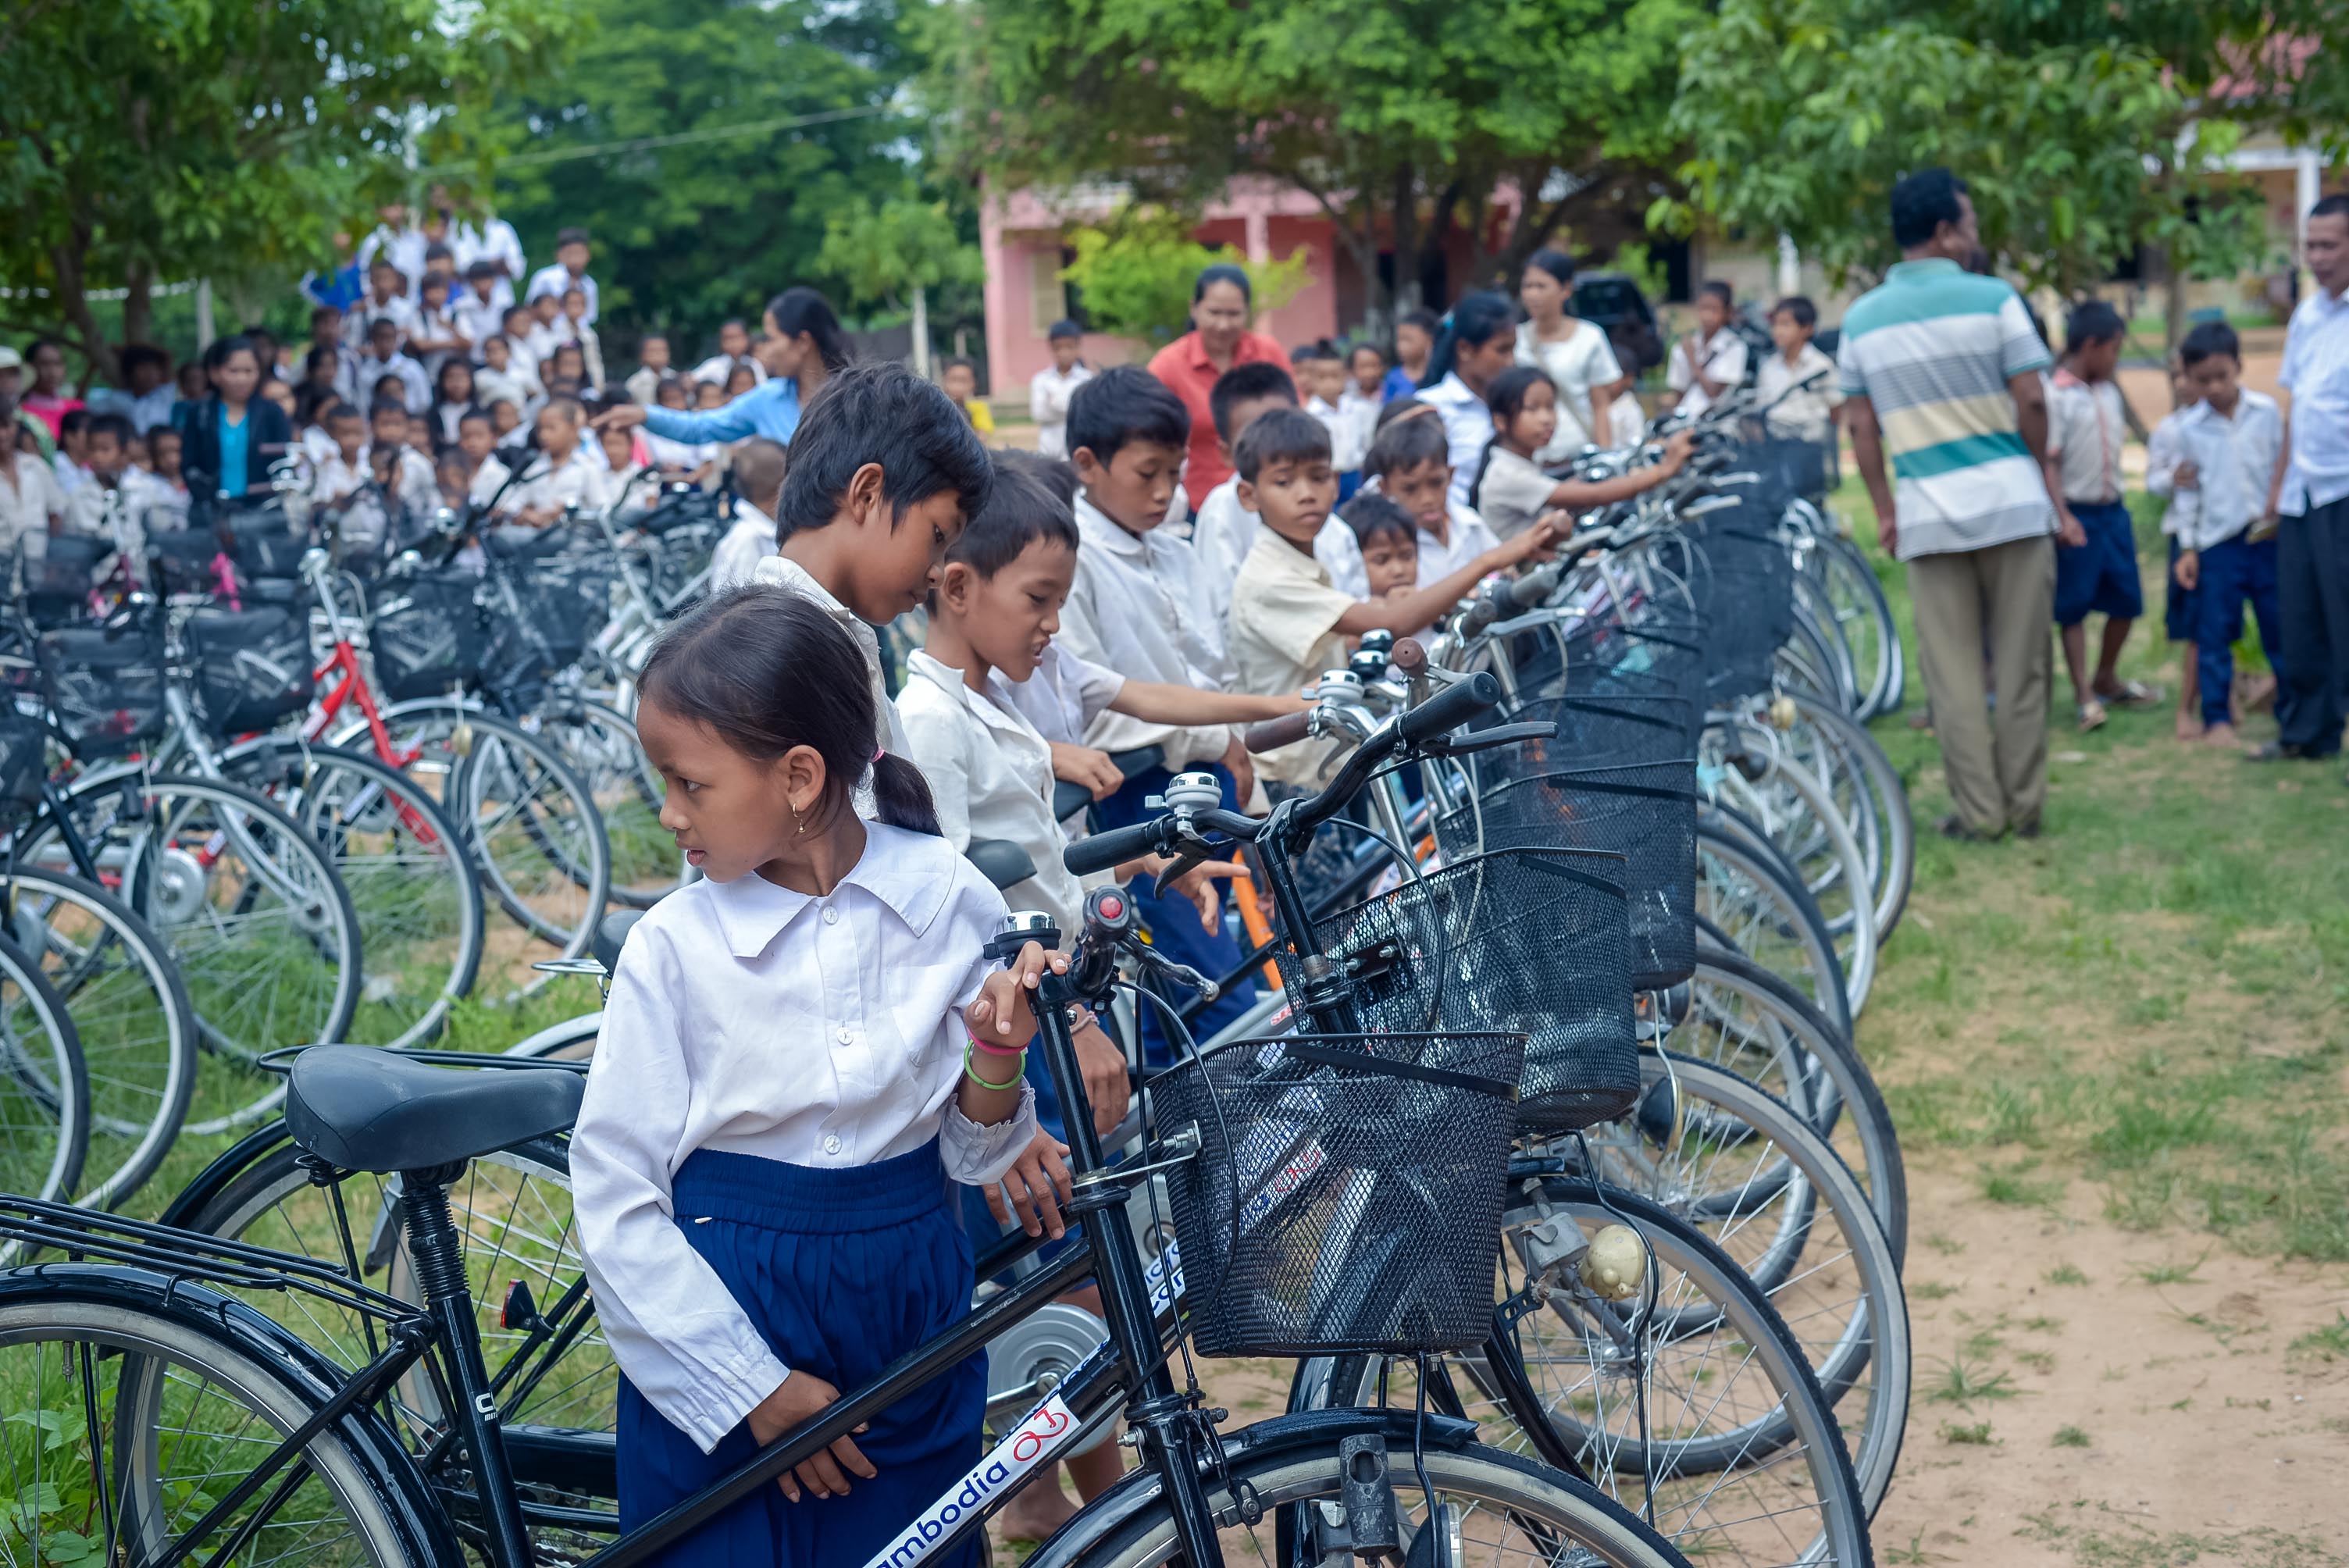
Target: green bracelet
x=971 y=1071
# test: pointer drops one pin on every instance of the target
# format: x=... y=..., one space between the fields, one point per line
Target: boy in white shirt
x=388 y=300
x=1223 y=529
x=476 y=314
x=115 y=504
x=384 y=358
x=1711 y=360
x=2096 y=543
x=2230 y=443
x=477 y=439
x=548 y=330
x=1321 y=376
x=591 y=348
x=559 y=477
x=760 y=467
x=1050 y=391
x=435 y=337
x=1807 y=415
x=652 y=365
x=568 y=271
x=2164 y=454
x=1410 y=463
x=733 y=349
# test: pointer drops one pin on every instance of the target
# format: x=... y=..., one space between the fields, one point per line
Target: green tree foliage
x=1401 y=119
x=2083 y=132
x=742 y=126
x=144 y=141
x=1136 y=272
x=879 y=253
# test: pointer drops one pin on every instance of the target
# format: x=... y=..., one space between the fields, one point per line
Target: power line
x=680 y=138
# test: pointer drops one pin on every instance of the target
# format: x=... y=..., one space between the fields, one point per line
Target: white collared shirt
x=477 y=320
x=359 y=324
x=1468 y=536
x=29 y=497
x=1467 y=427
x=486 y=481
x=2164 y=451
x=889 y=735
x=369 y=370
x=118 y=513
x=1724 y=361
x=990 y=777
x=2234 y=461
x=555 y=278
x=1221 y=534
x=1805 y=415
x=750 y=540
x=824 y=1032
x=404 y=248
x=1347 y=444
x=2085 y=428
x=718 y=366
x=1140 y=606
x=2317 y=373
x=1362 y=414
x=494 y=240
x=1062 y=697
x=1049 y=392
x=575 y=481
x=1582 y=359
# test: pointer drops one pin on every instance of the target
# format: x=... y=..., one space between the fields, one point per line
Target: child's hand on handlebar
x=1001 y=1010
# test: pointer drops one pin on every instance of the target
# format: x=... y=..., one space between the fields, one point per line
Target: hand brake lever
x=1461 y=744
x=1176 y=974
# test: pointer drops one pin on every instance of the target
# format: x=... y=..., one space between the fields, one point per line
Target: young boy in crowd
x=477 y=442
x=1321 y=376
x=405 y=472
x=70 y=462
x=2163 y=455
x=1410 y=464
x=576 y=328
x=1048 y=393
x=146 y=396
x=760 y=465
x=1289 y=622
x=1387 y=537
x=1140 y=605
x=168 y=496
x=117 y=503
x=2230 y=444
x=1710 y=360
x=569 y=271
x=388 y=300
x=384 y=359
x=476 y=314
x=497 y=377
x=545 y=333
x=960 y=379
x=652 y=364
x=1807 y=415
x=562 y=475
x=434 y=337
x=2095 y=553
x=1222 y=529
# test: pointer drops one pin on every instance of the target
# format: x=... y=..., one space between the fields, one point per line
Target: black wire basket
x=1619 y=776
x=1791 y=467
x=429 y=634
x=185 y=559
x=24 y=764
x=1744 y=584
x=57 y=583
x=251 y=667
x=264 y=542
x=105 y=686
x=1536 y=940
x=1347 y=1192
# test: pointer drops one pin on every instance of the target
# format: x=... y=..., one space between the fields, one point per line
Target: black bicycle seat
x=1001 y=861
x=369 y=1109
x=611 y=936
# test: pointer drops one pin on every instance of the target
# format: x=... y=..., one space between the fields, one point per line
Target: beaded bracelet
x=970 y=1071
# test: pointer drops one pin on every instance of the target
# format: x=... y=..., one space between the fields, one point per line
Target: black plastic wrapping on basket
x=184 y=559
x=264 y=542
x=1347 y=1192
x=1744 y=584
x=253 y=667
x=105 y=686
x=1534 y=939
x=1619 y=777
x=24 y=763
x=57 y=583
x=429 y=634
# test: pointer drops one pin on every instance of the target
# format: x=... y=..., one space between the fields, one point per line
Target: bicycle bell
x=1340 y=687
x=1186 y=793
x=1020 y=927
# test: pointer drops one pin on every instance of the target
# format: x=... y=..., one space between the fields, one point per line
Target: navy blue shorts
x=2099 y=577
x=2180 y=607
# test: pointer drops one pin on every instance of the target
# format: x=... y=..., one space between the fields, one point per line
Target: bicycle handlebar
x=1274 y=733
x=1101 y=851
x=1444 y=712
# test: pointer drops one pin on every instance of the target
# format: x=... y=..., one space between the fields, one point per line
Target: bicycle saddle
x=369 y=1110
x=1001 y=861
x=611 y=936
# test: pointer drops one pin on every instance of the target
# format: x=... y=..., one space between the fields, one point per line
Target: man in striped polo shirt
x=1943 y=368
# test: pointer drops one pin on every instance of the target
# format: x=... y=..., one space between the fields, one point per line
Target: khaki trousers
x=2000 y=597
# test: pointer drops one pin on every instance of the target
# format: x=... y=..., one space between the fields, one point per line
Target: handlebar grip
x=1408 y=657
x=1450 y=708
x=1536 y=586
x=1100 y=851
x=1273 y=732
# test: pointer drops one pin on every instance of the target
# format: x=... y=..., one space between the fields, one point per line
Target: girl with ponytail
x=1511 y=492
x=1479 y=341
x=800 y=1051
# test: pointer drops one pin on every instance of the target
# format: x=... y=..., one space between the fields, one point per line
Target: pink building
x=1020 y=237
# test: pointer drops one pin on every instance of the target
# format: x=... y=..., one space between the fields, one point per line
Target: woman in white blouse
x=1575 y=354
x=800 y=1051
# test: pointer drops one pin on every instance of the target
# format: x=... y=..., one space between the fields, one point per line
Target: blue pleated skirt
x=842 y=1272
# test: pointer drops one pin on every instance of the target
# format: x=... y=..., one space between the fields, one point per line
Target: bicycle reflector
x=1109 y=910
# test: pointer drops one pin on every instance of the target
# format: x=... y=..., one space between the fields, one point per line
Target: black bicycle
x=1338 y=1192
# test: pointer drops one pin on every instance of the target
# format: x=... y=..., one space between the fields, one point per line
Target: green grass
x=2071 y=1437
x=1965 y=1381
x=2152 y=999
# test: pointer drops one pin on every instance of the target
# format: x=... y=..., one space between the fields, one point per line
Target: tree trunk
x=138 y=306
x=73 y=304
x=1407 y=293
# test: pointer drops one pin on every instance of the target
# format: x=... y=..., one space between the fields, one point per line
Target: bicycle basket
x=1534 y=939
x=106 y=686
x=183 y=559
x=1619 y=776
x=251 y=668
x=58 y=581
x=262 y=544
x=24 y=763
x=1347 y=1194
x=428 y=634
x=1744 y=589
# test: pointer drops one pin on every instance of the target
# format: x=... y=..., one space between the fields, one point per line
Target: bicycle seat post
x=440 y=1259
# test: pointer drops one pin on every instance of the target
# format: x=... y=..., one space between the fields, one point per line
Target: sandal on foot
x=2133 y=694
x=2091 y=716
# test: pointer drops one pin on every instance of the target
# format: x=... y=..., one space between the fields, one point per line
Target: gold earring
x=798 y=826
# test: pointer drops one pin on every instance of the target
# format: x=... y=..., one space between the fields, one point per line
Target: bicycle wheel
x=137 y=1029
x=602 y=748
x=410 y=880
x=1863 y=616
x=1742 y=1017
x=1691 y=1405
x=1846 y=757
x=1503 y=1511
x=258 y=924
x=572 y=1040
x=44 y=1086
x=1760 y=1182
x=1746 y=890
x=129 y=1410
x=1810 y=833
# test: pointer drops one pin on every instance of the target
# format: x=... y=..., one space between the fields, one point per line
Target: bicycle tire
x=1744 y=888
x=601 y=745
x=572 y=1040
x=129 y=1010
x=1890 y=803
x=1840 y=562
x=45 y=1105
x=1847 y=883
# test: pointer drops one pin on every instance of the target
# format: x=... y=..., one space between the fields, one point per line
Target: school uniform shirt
x=1048 y=393
x=435 y=326
x=1467 y=427
x=2234 y=461
x=1284 y=613
x=2085 y=428
x=642 y=384
x=70 y=475
x=494 y=386
x=2315 y=371
x=486 y=481
x=990 y=777
x=119 y=513
x=669 y=454
x=821 y=1032
x=29 y=497
x=1140 y=606
x=404 y=248
x=167 y=504
x=1577 y=363
x=555 y=278
x=1062 y=697
x=888 y=733
x=1627 y=422
x=1362 y=414
x=2164 y=451
x=575 y=481
x=1805 y=415
x=477 y=320
x=718 y=366
x=1514 y=492
x=359 y=324
x=750 y=540
x=1466 y=537
x=1346 y=448
x=543 y=338
x=418 y=387
x=1222 y=533
x=494 y=240
x=1723 y=357
x=144 y=412
x=591 y=354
